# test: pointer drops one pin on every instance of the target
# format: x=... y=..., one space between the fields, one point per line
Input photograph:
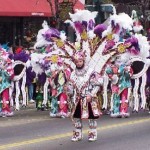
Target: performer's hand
x=89 y=98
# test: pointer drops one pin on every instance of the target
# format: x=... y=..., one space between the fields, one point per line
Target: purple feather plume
x=110 y=44
x=11 y=56
x=52 y=32
x=91 y=25
x=116 y=28
x=22 y=56
x=112 y=23
x=134 y=48
x=98 y=30
x=78 y=26
x=85 y=25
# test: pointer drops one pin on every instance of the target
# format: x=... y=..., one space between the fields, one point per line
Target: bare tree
x=51 y=7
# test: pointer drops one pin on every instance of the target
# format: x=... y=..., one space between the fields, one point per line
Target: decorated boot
x=124 y=110
x=77 y=133
x=92 y=134
x=6 y=110
x=54 y=107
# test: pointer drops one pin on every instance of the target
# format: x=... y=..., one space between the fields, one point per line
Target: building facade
x=20 y=20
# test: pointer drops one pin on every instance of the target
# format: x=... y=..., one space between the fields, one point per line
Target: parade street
x=75 y=75
x=30 y=129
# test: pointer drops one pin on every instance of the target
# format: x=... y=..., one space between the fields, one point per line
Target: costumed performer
x=85 y=98
x=6 y=75
x=120 y=75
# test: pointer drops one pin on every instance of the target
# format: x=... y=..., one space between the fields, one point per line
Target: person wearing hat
x=86 y=84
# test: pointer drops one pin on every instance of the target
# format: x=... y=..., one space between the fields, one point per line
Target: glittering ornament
x=84 y=35
x=109 y=37
x=121 y=48
x=53 y=58
x=59 y=42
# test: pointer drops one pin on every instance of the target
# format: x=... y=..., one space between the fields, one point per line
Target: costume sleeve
x=94 y=91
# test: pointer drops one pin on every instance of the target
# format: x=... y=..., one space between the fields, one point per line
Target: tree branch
x=51 y=5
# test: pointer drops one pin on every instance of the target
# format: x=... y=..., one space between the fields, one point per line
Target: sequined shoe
x=77 y=135
x=92 y=135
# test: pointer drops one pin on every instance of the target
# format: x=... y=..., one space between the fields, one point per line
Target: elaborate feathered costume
x=6 y=75
x=23 y=75
x=88 y=57
x=86 y=48
x=133 y=48
x=120 y=77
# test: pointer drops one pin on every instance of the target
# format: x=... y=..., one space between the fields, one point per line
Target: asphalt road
x=35 y=130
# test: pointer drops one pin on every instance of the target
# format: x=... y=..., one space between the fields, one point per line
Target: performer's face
x=79 y=63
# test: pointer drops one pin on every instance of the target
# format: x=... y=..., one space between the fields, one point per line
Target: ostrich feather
x=99 y=29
